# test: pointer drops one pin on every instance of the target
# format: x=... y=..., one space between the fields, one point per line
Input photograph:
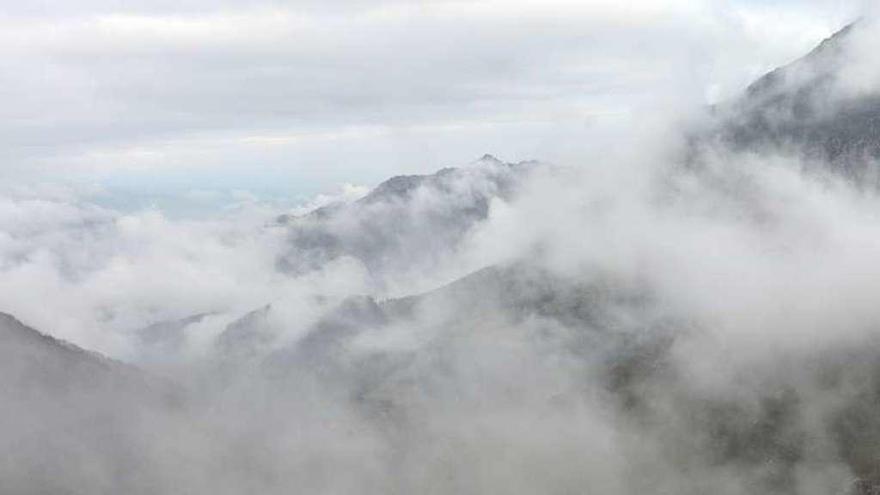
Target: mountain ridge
x=801 y=109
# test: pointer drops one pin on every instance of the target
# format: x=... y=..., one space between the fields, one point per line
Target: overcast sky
x=295 y=97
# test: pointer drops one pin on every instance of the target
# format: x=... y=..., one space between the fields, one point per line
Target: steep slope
x=34 y=363
x=805 y=108
x=70 y=419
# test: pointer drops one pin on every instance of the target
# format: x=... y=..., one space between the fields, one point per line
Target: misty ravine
x=697 y=313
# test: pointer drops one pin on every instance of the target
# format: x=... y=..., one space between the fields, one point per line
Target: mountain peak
x=488 y=158
x=819 y=63
x=805 y=107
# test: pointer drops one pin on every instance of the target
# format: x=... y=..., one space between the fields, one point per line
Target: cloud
x=860 y=73
x=346 y=194
x=107 y=92
x=638 y=323
x=109 y=274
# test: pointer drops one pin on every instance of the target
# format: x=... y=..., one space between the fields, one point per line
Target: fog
x=686 y=314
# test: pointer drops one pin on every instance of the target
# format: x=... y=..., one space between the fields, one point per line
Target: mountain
x=613 y=332
x=52 y=367
x=585 y=319
x=69 y=421
x=805 y=108
x=406 y=223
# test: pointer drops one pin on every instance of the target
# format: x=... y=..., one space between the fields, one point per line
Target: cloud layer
x=287 y=95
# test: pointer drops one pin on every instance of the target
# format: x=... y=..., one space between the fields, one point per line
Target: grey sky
x=293 y=97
